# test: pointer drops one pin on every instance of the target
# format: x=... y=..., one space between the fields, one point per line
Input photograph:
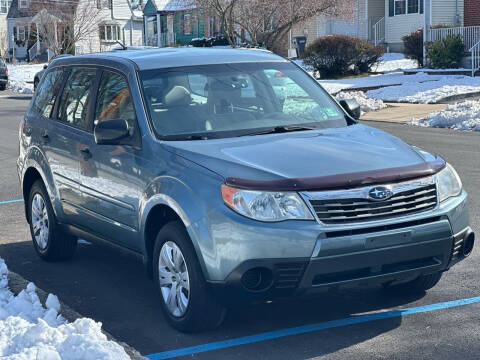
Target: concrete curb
x=17 y=283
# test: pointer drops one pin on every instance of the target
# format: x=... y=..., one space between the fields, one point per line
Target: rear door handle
x=86 y=153
x=45 y=136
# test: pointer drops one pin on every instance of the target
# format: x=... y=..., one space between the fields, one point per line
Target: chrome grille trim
x=350 y=206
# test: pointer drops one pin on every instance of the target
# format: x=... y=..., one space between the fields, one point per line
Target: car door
x=65 y=136
x=41 y=126
x=110 y=176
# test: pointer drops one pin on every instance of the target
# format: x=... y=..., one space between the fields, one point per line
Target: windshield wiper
x=281 y=130
x=184 y=138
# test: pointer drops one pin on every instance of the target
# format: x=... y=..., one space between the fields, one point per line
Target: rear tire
x=195 y=308
x=3 y=87
x=419 y=285
x=50 y=243
x=35 y=84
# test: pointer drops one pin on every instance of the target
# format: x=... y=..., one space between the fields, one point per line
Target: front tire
x=419 y=285
x=50 y=243
x=185 y=299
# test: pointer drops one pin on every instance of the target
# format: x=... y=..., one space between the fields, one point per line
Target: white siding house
x=386 y=22
x=118 y=21
x=4 y=7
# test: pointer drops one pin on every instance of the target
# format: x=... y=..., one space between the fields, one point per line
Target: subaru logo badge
x=379 y=193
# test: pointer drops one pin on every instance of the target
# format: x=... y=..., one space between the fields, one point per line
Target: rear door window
x=73 y=108
x=47 y=93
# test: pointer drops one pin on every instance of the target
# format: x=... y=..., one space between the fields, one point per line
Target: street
x=110 y=286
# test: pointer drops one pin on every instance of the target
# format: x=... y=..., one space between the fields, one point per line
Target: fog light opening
x=257 y=279
x=468 y=244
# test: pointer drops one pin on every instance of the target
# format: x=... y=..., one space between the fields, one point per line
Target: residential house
x=107 y=22
x=169 y=22
x=4 y=6
x=24 y=41
x=117 y=21
x=387 y=21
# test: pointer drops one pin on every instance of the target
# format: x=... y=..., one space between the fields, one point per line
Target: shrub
x=368 y=55
x=335 y=55
x=209 y=42
x=447 y=53
x=413 y=45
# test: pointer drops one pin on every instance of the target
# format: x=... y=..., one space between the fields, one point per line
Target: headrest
x=178 y=96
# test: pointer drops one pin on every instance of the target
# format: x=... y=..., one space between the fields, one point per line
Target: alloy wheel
x=40 y=221
x=174 y=279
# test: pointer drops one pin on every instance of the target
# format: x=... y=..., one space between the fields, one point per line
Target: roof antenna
x=121 y=44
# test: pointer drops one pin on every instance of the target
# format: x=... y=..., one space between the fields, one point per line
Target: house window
x=19 y=33
x=104 y=4
x=23 y=4
x=187 y=24
x=109 y=32
x=402 y=7
x=4 y=6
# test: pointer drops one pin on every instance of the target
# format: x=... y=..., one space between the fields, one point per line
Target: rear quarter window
x=47 y=92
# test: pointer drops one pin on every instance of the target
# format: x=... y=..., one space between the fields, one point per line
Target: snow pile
x=30 y=331
x=20 y=77
x=366 y=104
x=460 y=116
x=419 y=88
x=427 y=92
x=394 y=61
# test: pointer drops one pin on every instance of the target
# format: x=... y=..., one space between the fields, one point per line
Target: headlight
x=449 y=183
x=266 y=206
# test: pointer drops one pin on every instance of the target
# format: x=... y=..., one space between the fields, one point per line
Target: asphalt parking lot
x=110 y=286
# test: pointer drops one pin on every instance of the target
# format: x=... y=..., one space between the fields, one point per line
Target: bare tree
x=3 y=43
x=268 y=21
x=62 y=24
x=225 y=12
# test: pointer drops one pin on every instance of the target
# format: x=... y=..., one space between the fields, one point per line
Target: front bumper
x=395 y=252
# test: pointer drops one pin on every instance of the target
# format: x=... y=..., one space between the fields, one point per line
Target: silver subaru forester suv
x=235 y=177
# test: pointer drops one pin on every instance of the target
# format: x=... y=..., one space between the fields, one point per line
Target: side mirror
x=352 y=107
x=111 y=132
x=45 y=67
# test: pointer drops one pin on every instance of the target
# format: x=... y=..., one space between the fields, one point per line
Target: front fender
x=186 y=196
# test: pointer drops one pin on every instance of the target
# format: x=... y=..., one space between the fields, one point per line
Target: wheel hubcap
x=174 y=279
x=40 y=221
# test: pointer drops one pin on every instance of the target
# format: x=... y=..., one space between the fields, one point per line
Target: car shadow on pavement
x=111 y=286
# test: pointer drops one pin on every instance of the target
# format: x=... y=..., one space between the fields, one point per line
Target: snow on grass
x=427 y=91
x=394 y=61
x=20 y=77
x=460 y=116
x=30 y=331
x=397 y=78
x=366 y=104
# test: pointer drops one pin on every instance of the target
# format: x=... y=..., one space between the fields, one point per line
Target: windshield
x=226 y=100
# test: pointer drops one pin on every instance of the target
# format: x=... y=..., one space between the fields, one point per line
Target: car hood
x=306 y=154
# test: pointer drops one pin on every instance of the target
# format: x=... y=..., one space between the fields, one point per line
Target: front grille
x=353 y=210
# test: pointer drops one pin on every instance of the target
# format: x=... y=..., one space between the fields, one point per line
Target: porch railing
x=166 y=38
x=470 y=34
x=33 y=51
x=475 y=50
x=379 y=31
